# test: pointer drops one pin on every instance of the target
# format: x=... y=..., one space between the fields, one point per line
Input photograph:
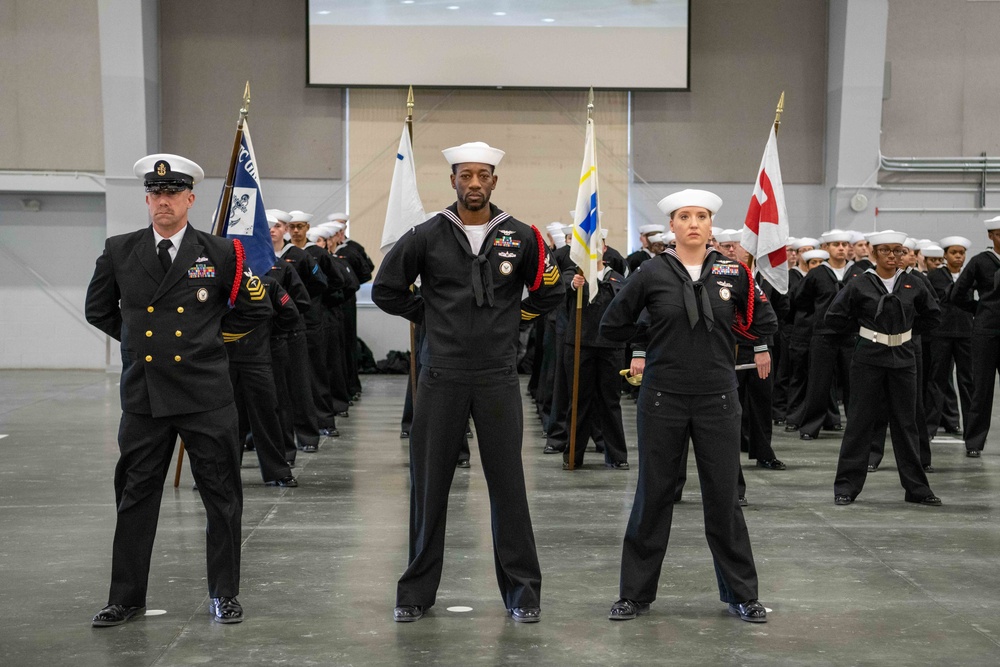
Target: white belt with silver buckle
x=889 y=340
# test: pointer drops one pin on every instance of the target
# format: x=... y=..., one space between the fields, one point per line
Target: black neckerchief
x=694 y=291
x=481 y=271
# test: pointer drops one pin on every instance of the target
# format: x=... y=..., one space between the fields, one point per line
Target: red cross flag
x=765 y=231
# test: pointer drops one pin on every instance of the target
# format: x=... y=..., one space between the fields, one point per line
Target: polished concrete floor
x=881 y=582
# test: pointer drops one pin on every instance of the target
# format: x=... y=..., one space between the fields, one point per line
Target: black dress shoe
x=626 y=610
x=872 y=467
x=952 y=430
x=525 y=614
x=973 y=453
x=842 y=500
x=806 y=436
x=343 y=414
x=549 y=449
x=770 y=464
x=928 y=468
x=289 y=482
x=742 y=500
x=330 y=432
x=226 y=610
x=407 y=613
x=618 y=465
x=309 y=449
x=356 y=397
x=403 y=435
x=931 y=500
x=790 y=427
x=751 y=611
x=463 y=463
x=779 y=422
x=115 y=614
x=468 y=433
x=835 y=427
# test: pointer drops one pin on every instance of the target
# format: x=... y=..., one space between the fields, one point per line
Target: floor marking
x=460 y=610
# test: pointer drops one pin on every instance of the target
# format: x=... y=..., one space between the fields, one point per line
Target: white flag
x=765 y=231
x=405 y=209
x=585 y=248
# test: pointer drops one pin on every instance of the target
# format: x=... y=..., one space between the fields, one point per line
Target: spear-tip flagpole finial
x=245 y=109
x=777 y=112
x=409 y=103
x=590 y=102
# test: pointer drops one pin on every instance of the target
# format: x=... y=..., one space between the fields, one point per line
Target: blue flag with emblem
x=245 y=218
x=585 y=248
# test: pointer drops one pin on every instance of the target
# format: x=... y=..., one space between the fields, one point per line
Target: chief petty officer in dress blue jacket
x=695 y=299
x=163 y=291
x=473 y=261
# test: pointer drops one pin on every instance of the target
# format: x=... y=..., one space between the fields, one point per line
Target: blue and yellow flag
x=245 y=217
x=586 y=246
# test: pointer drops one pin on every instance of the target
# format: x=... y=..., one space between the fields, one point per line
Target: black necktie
x=164 y=253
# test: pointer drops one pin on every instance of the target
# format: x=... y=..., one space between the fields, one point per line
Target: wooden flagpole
x=220 y=220
x=413 y=327
x=579 y=325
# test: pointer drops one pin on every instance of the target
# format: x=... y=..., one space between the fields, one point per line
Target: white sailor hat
x=910 y=243
x=835 y=235
x=554 y=228
x=166 y=170
x=857 y=237
x=729 y=236
x=280 y=215
x=337 y=217
x=669 y=237
x=657 y=238
x=790 y=243
x=271 y=220
x=933 y=251
x=886 y=236
x=567 y=229
x=716 y=231
x=923 y=243
x=299 y=216
x=805 y=242
x=652 y=229
x=335 y=227
x=476 y=151
x=955 y=240
x=604 y=232
x=815 y=254
x=315 y=232
x=992 y=223
x=703 y=198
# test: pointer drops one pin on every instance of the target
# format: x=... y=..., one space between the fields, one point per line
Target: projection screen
x=609 y=44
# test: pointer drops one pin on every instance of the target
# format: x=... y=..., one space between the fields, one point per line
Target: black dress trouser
x=665 y=422
x=755 y=400
x=944 y=351
x=598 y=402
x=829 y=362
x=317 y=342
x=146 y=445
x=257 y=401
x=279 y=366
x=986 y=352
x=445 y=398
x=882 y=425
x=877 y=390
x=298 y=380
